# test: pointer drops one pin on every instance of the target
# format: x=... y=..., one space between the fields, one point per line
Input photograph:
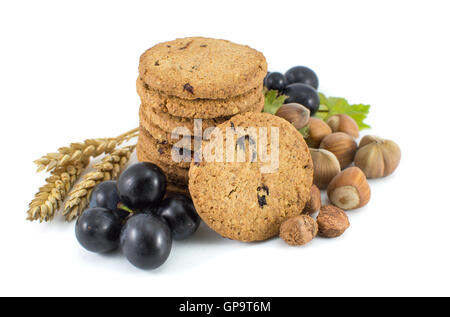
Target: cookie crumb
x=298 y=230
x=314 y=203
x=332 y=221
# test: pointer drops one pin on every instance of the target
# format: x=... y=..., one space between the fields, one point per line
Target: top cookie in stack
x=191 y=78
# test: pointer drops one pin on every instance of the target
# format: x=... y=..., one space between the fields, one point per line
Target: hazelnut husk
x=349 y=189
x=318 y=129
x=295 y=113
x=298 y=230
x=314 y=202
x=343 y=123
x=326 y=166
x=332 y=221
x=342 y=145
x=377 y=157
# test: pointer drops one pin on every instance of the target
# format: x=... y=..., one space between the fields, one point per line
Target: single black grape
x=98 y=230
x=276 y=81
x=146 y=241
x=304 y=95
x=105 y=195
x=179 y=213
x=302 y=75
x=141 y=186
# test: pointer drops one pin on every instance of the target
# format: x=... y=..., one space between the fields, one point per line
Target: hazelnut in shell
x=314 y=202
x=318 y=129
x=343 y=123
x=298 y=230
x=294 y=113
x=326 y=166
x=342 y=145
x=349 y=189
x=332 y=221
x=377 y=157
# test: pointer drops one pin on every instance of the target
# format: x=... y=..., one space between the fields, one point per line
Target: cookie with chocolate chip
x=200 y=108
x=247 y=199
x=197 y=67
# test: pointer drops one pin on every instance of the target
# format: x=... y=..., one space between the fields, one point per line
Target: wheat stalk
x=50 y=197
x=81 y=151
x=107 y=169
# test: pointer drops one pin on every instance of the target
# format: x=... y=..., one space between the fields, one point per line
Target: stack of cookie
x=187 y=79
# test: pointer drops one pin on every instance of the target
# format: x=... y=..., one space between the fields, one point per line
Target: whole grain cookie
x=168 y=122
x=242 y=200
x=173 y=173
x=197 y=67
x=199 y=108
x=161 y=151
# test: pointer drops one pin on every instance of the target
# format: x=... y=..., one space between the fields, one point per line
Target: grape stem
x=123 y=207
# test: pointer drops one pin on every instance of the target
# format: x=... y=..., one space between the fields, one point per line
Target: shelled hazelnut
x=343 y=123
x=318 y=129
x=326 y=166
x=377 y=157
x=349 y=189
x=332 y=221
x=342 y=145
x=314 y=202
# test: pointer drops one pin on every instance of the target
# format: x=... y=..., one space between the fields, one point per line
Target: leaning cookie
x=197 y=67
x=248 y=200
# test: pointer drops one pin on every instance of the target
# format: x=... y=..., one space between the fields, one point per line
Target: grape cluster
x=131 y=213
x=300 y=85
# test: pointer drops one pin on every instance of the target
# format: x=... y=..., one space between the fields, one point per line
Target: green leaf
x=273 y=101
x=334 y=105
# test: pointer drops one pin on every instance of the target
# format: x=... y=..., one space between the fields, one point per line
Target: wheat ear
x=50 y=197
x=107 y=169
x=81 y=151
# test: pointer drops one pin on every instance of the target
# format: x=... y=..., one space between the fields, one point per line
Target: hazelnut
x=349 y=189
x=377 y=157
x=298 y=230
x=326 y=166
x=342 y=145
x=314 y=202
x=318 y=129
x=295 y=113
x=343 y=123
x=332 y=221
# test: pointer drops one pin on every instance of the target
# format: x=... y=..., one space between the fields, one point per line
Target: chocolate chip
x=157 y=63
x=185 y=46
x=168 y=46
x=187 y=87
x=261 y=201
x=203 y=45
x=146 y=86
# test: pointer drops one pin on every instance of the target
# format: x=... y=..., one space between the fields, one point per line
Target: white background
x=67 y=73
